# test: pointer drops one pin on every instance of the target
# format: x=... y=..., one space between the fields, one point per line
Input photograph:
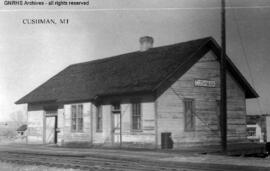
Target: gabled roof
x=128 y=73
x=22 y=128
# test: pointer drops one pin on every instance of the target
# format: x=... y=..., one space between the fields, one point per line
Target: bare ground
x=19 y=167
x=120 y=159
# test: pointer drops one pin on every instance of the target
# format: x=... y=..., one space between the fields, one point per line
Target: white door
x=50 y=130
x=116 y=127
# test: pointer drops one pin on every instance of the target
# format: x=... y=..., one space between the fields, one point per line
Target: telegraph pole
x=120 y=129
x=223 y=89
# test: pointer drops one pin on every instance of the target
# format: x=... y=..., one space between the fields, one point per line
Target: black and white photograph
x=135 y=85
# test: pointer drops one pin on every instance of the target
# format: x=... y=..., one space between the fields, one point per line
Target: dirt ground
x=19 y=167
x=123 y=159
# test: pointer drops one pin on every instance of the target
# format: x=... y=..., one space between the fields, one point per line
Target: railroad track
x=84 y=163
x=98 y=163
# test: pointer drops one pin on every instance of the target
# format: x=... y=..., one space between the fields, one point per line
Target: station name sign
x=204 y=83
x=50 y=113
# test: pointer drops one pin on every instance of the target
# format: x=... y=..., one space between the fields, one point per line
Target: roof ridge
x=107 y=59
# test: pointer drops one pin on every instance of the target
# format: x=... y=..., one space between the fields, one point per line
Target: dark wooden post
x=223 y=87
x=56 y=129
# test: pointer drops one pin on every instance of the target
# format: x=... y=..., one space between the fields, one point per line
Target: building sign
x=50 y=113
x=204 y=83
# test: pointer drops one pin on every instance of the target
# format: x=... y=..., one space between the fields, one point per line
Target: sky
x=31 y=54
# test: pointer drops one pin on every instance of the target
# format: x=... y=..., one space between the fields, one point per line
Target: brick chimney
x=146 y=43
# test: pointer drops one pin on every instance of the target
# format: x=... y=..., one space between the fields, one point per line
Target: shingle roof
x=127 y=73
x=22 y=128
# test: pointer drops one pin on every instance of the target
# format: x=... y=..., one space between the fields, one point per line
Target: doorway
x=50 y=132
x=116 y=124
x=116 y=127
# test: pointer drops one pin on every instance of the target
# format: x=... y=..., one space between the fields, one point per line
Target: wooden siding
x=35 y=124
x=170 y=109
x=145 y=136
x=89 y=134
x=69 y=136
x=105 y=135
x=60 y=125
x=147 y=133
x=267 y=125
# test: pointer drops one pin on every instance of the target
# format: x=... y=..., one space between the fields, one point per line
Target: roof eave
x=22 y=101
x=250 y=92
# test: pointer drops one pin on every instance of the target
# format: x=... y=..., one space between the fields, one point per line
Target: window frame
x=251 y=130
x=192 y=119
x=99 y=115
x=114 y=109
x=140 y=116
x=78 y=117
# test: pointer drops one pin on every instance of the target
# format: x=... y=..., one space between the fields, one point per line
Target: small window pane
x=73 y=126
x=73 y=111
x=80 y=111
x=73 y=117
x=80 y=124
x=116 y=107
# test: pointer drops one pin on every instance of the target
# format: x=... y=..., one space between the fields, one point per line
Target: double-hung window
x=77 y=118
x=136 y=116
x=189 y=109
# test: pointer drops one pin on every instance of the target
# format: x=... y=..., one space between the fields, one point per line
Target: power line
x=246 y=57
x=178 y=94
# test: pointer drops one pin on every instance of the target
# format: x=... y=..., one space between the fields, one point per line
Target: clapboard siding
x=60 y=125
x=105 y=135
x=70 y=136
x=36 y=119
x=35 y=124
x=170 y=110
x=89 y=134
x=145 y=136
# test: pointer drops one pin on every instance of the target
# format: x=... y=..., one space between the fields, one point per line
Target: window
x=77 y=118
x=99 y=119
x=189 y=114
x=116 y=108
x=251 y=131
x=136 y=116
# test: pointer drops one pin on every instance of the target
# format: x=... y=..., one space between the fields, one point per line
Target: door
x=166 y=140
x=50 y=130
x=116 y=127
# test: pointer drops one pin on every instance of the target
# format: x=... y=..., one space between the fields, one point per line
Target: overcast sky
x=31 y=54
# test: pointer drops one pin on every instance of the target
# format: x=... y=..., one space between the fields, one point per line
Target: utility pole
x=223 y=86
x=120 y=129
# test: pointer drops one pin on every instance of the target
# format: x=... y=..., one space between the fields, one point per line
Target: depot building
x=156 y=97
